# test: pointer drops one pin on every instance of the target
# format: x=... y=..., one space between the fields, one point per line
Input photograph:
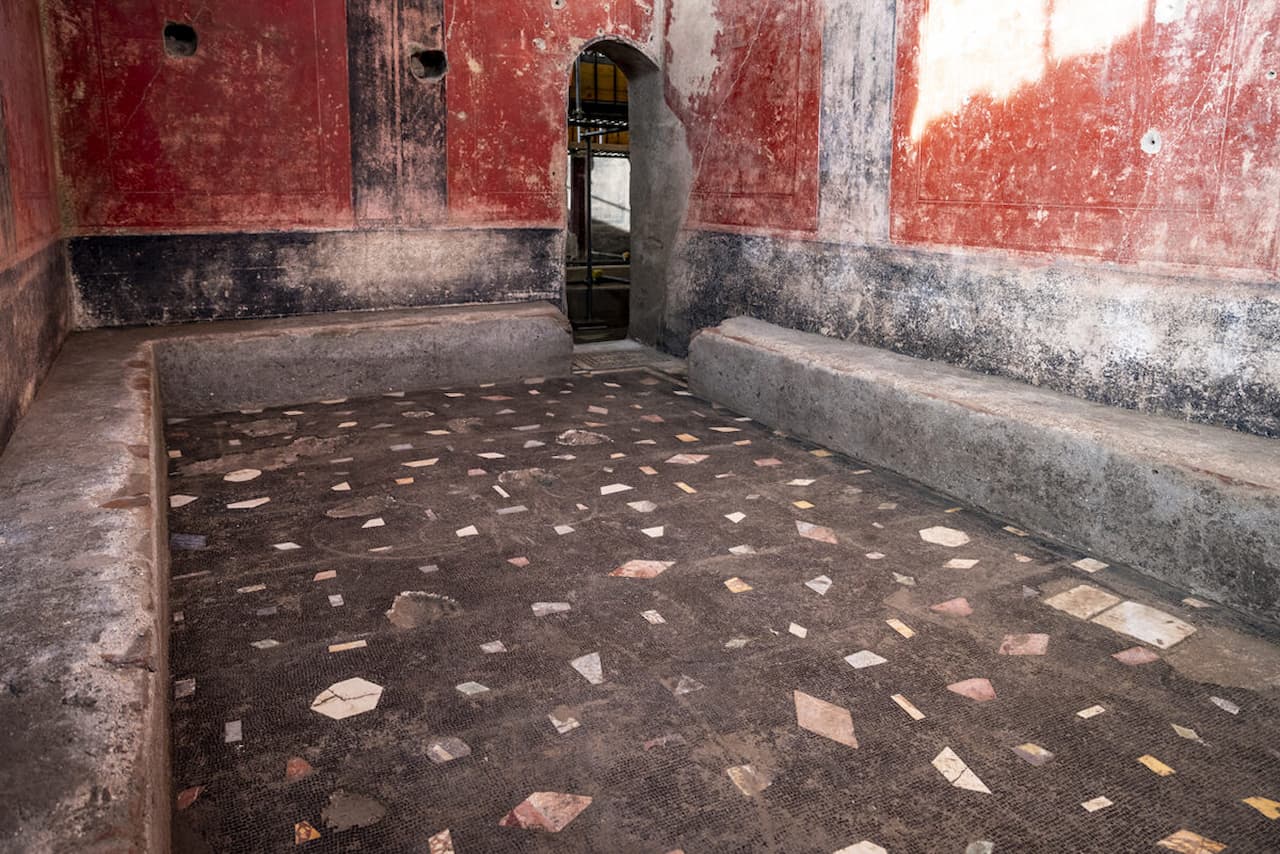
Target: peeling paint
x=692 y=32
x=754 y=132
x=1140 y=142
x=508 y=167
x=150 y=140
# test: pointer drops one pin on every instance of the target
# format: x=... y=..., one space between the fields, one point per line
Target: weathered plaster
x=1108 y=135
x=35 y=315
x=750 y=109
x=34 y=297
x=397 y=119
x=691 y=32
x=857 y=120
x=150 y=279
x=249 y=131
x=1192 y=347
x=507 y=97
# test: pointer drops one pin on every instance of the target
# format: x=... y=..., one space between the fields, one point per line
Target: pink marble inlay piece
x=980 y=690
x=549 y=811
x=1135 y=655
x=1034 y=644
x=958 y=607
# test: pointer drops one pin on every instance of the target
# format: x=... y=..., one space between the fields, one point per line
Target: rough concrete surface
x=83 y=625
x=601 y=603
x=213 y=368
x=129 y=280
x=1188 y=346
x=1195 y=506
x=84 y=621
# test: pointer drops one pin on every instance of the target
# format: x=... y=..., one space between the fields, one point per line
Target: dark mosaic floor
x=365 y=566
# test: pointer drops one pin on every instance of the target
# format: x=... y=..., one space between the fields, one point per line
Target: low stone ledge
x=1192 y=505
x=221 y=367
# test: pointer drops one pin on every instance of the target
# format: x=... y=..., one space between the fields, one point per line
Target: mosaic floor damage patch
x=597 y=614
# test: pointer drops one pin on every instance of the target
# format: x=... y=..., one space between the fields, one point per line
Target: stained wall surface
x=1082 y=195
x=1109 y=130
x=1079 y=194
x=316 y=155
x=34 y=306
x=746 y=80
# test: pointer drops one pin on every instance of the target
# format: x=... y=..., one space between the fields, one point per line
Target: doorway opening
x=598 y=244
x=639 y=174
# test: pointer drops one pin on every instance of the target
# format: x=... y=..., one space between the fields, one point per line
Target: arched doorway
x=627 y=186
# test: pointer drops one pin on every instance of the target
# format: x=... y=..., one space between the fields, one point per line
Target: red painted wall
x=754 y=132
x=1056 y=164
x=28 y=209
x=508 y=80
x=250 y=132
x=253 y=132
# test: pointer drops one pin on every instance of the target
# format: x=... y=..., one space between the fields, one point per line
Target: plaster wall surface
x=124 y=280
x=897 y=173
x=313 y=155
x=1159 y=294
x=34 y=299
x=249 y=129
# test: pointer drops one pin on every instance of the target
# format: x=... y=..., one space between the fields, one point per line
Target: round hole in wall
x=557 y=4
x=427 y=63
x=180 y=39
x=1271 y=75
x=1152 y=142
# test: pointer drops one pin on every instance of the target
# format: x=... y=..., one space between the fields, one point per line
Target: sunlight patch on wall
x=691 y=40
x=1079 y=27
x=994 y=47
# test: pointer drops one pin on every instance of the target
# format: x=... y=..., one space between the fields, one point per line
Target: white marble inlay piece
x=1147 y=624
x=819 y=585
x=865 y=658
x=957 y=773
x=943 y=536
x=1090 y=565
x=347 y=698
x=590 y=667
x=1083 y=601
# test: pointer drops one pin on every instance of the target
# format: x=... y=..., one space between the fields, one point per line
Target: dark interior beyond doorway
x=598 y=248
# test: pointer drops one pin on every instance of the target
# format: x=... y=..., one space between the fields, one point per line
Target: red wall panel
x=1056 y=163
x=508 y=79
x=28 y=210
x=754 y=133
x=251 y=131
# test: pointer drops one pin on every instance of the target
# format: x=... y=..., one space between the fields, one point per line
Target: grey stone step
x=1192 y=505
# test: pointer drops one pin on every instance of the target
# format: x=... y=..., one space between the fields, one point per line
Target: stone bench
x=1195 y=506
x=84 y=685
